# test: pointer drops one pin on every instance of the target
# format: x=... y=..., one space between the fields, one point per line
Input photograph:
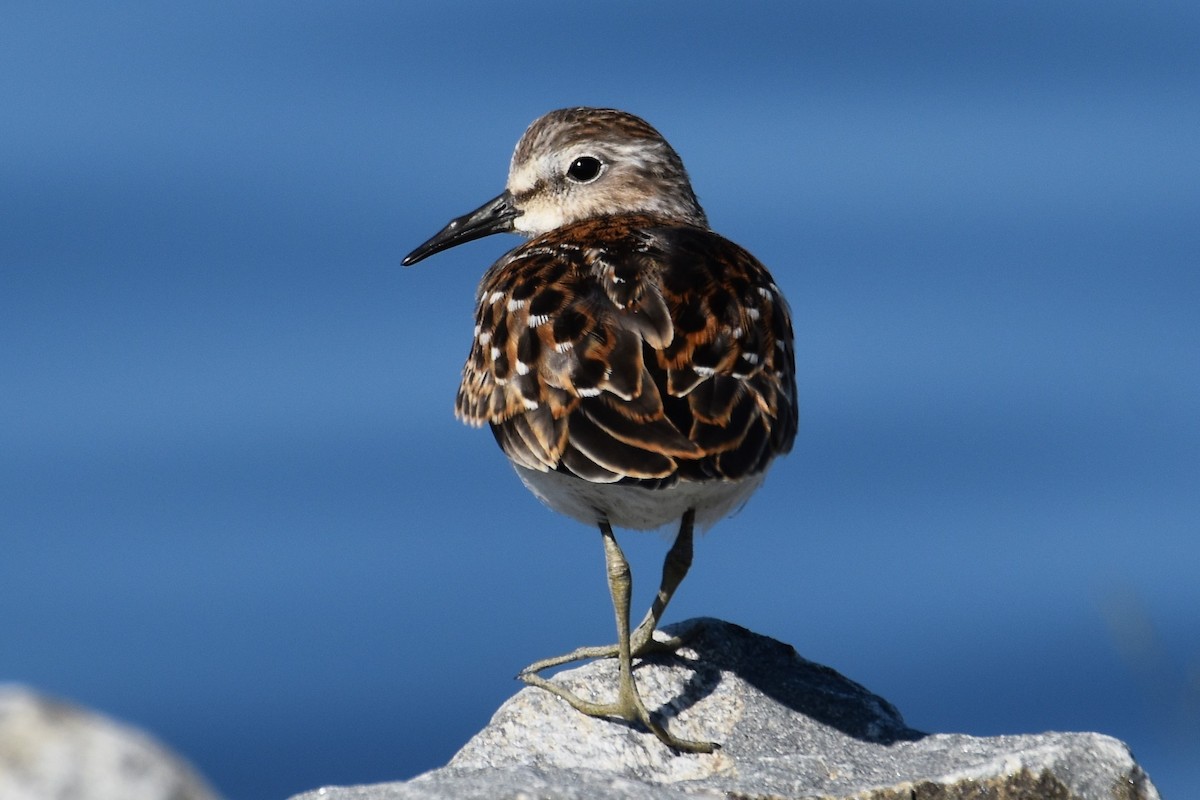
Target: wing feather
x=633 y=349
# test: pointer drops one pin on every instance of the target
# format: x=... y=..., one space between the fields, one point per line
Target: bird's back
x=635 y=351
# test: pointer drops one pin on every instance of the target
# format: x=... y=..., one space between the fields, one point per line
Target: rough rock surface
x=50 y=750
x=788 y=728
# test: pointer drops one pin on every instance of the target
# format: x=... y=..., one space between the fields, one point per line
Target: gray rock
x=50 y=750
x=788 y=728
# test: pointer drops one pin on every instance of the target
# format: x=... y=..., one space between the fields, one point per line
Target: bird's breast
x=637 y=507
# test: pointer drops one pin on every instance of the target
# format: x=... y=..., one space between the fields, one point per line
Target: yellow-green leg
x=675 y=569
x=642 y=642
x=629 y=705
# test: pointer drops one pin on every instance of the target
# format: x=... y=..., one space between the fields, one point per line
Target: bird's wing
x=629 y=349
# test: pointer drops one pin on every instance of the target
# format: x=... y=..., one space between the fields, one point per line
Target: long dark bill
x=494 y=216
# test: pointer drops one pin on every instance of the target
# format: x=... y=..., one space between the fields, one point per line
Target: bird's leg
x=642 y=641
x=629 y=705
x=675 y=569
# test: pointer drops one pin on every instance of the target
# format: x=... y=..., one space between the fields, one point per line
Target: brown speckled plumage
x=632 y=348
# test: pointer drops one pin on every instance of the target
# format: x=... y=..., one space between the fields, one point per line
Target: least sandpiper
x=635 y=367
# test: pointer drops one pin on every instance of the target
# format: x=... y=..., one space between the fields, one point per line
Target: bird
x=636 y=368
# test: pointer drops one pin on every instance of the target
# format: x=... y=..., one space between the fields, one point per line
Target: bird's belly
x=636 y=507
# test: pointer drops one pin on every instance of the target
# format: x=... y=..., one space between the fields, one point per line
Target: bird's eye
x=584 y=169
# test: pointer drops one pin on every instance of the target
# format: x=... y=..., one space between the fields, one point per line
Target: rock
x=50 y=750
x=788 y=728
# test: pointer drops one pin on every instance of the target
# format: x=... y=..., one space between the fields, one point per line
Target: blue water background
x=236 y=509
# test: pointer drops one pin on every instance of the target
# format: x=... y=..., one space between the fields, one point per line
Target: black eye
x=584 y=169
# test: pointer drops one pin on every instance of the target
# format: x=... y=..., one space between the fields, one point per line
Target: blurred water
x=235 y=507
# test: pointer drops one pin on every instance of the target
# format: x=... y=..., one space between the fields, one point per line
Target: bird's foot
x=642 y=643
x=628 y=706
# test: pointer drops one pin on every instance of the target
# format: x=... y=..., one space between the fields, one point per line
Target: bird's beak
x=494 y=216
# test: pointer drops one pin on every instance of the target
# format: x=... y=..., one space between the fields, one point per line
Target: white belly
x=637 y=507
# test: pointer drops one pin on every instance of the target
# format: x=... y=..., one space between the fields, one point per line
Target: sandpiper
x=635 y=367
